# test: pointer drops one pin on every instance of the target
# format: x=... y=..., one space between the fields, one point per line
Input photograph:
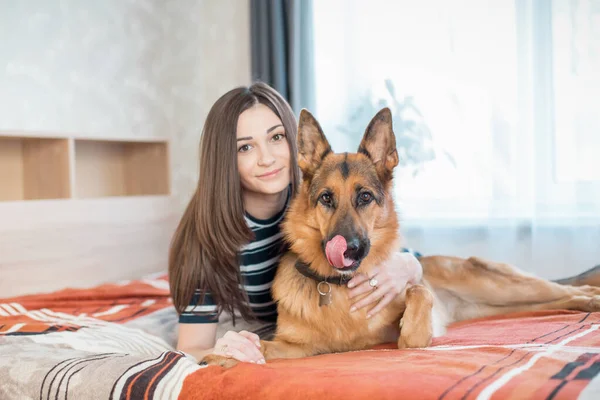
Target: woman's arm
x=199 y=340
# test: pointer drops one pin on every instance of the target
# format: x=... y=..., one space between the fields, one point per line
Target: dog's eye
x=365 y=198
x=326 y=199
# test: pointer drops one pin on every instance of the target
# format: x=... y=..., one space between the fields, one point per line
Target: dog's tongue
x=335 y=249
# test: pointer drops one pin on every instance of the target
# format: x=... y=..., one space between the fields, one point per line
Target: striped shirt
x=258 y=263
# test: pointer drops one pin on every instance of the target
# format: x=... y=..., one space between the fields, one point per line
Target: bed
x=116 y=341
x=95 y=215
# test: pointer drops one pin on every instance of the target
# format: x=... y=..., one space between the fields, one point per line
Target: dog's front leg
x=270 y=350
x=222 y=361
x=416 y=325
x=279 y=348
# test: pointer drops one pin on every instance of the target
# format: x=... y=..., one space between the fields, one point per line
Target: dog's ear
x=379 y=144
x=312 y=144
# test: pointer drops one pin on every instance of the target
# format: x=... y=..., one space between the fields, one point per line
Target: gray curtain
x=282 y=52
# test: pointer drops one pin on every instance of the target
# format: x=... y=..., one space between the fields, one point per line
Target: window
x=576 y=82
x=470 y=84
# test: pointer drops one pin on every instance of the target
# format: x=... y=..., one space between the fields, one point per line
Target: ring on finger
x=224 y=348
x=373 y=283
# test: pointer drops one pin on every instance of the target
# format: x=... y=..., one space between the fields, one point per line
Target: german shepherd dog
x=342 y=221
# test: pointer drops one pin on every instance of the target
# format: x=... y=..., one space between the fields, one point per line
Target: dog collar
x=305 y=270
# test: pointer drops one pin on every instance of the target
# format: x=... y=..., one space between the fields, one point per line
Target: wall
x=116 y=68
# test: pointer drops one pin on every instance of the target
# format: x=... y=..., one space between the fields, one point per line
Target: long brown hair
x=205 y=247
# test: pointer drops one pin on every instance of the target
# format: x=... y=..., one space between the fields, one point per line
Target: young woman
x=225 y=250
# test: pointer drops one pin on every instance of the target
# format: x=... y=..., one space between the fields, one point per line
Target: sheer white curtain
x=497 y=115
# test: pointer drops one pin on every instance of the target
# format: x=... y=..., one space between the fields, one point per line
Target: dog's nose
x=352 y=244
x=353 y=248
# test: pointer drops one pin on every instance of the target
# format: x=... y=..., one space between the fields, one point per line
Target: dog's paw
x=213 y=359
x=414 y=336
x=594 y=304
x=590 y=291
x=414 y=341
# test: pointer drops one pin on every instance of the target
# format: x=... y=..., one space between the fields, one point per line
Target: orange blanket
x=115 y=341
x=540 y=355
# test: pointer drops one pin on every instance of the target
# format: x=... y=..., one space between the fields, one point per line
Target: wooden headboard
x=75 y=212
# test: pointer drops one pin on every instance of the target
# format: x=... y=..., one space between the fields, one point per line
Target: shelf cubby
x=34 y=168
x=120 y=168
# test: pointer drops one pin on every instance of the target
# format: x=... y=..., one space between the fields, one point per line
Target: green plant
x=414 y=141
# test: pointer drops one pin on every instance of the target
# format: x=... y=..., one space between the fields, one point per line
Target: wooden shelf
x=86 y=208
x=34 y=168
x=120 y=168
x=39 y=168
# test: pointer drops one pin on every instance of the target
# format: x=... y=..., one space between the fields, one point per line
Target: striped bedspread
x=115 y=342
x=110 y=342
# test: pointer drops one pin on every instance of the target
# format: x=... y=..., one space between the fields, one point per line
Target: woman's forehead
x=257 y=120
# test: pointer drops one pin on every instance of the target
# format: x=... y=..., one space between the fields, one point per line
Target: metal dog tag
x=324 y=297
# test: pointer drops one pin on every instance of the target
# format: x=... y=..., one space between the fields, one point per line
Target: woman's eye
x=278 y=137
x=244 y=148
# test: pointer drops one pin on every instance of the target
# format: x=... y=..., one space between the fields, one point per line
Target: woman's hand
x=385 y=282
x=243 y=346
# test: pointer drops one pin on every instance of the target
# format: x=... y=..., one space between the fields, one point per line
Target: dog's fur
x=452 y=289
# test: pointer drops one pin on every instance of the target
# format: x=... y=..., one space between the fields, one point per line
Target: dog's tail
x=590 y=277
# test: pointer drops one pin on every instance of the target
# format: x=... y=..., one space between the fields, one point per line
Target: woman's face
x=263 y=153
